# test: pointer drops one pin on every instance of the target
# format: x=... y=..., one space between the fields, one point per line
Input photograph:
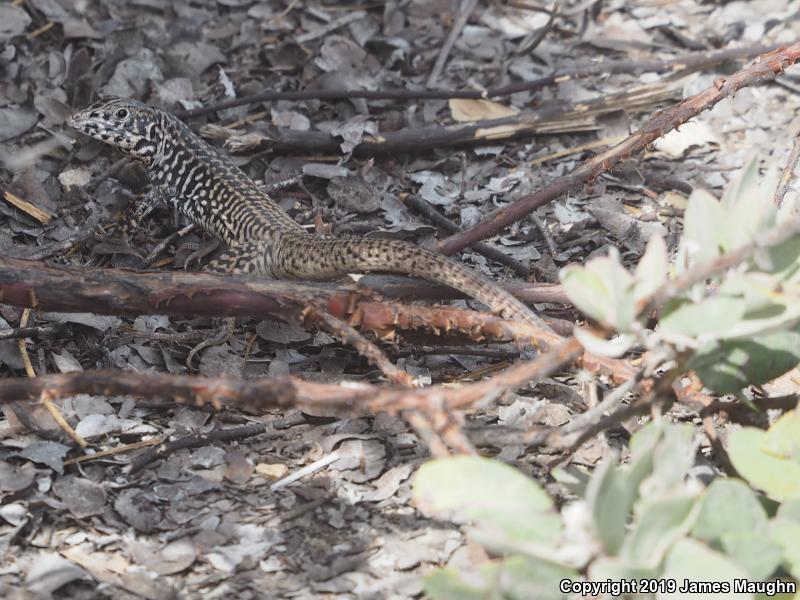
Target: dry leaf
x=477 y=110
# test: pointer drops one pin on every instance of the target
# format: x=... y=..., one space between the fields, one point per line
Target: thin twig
x=424 y=429
x=363 y=346
x=65 y=245
x=422 y=421
x=286 y=391
x=112 y=451
x=661 y=392
x=464 y=13
x=332 y=26
x=313 y=467
x=166 y=448
x=449 y=226
x=44 y=397
x=611 y=401
x=161 y=246
x=530 y=45
x=452 y=431
x=545 y=232
x=788 y=171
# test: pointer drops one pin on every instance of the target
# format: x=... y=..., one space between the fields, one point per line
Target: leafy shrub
x=728 y=309
x=647 y=521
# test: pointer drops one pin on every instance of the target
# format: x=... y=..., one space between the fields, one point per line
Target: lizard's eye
x=121 y=113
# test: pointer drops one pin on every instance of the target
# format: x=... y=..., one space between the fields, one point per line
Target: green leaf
x=694 y=561
x=572 y=477
x=615 y=569
x=787 y=535
x=705 y=227
x=785 y=259
x=754 y=551
x=490 y=493
x=729 y=505
x=711 y=316
x=659 y=523
x=603 y=290
x=777 y=310
x=518 y=577
x=769 y=304
x=728 y=366
x=522 y=577
x=612 y=491
x=742 y=187
x=790 y=510
x=783 y=437
x=748 y=200
x=643 y=443
x=651 y=272
x=611 y=494
x=778 y=476
x=672 y=457
x=449 y=584
x=588 y=292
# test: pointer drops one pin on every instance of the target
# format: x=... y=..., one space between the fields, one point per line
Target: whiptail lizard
x=187 y=173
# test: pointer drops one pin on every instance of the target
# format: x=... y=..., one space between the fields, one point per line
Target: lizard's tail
x=308 y=257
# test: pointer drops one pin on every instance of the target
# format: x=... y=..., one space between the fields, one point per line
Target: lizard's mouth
x=78 y=121
x=106 y=132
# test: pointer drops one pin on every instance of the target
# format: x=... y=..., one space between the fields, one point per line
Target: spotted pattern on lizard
x=262 y=239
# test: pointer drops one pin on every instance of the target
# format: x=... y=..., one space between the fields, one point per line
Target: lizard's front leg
x=143 y=205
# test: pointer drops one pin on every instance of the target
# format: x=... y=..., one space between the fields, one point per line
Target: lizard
x=261 y=238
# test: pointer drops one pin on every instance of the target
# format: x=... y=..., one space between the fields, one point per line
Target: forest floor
x=205 y=521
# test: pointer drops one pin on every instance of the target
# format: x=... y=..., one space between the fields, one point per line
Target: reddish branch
x=121 y=292
x=279 y=392
x=286 y=391
x=765 y=69
x=117 y=291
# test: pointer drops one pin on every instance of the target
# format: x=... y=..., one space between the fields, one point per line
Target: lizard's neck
x=209 y=189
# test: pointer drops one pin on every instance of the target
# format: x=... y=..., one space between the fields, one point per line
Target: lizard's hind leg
x=246 y=258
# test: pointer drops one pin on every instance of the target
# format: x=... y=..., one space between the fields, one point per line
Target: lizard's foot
x=200 y=253
x=223 y=335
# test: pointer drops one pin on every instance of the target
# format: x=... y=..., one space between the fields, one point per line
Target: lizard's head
x=129 y=125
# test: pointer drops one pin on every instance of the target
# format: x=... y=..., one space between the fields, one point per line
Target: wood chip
x=40 y=214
